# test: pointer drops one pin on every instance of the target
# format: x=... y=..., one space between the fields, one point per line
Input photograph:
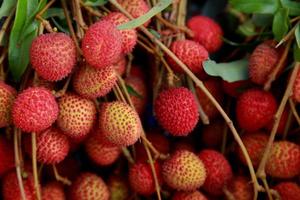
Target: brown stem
x=174 y=27
x=34 y=166
x=59 y=177
x=79 y=19
x=267 y=188
x=129 y=64
x=294 y=111
x=128 y=156
x=288 y=36
x=63 y=91
x=91 y=10
x=288 y=125
x=145 y=47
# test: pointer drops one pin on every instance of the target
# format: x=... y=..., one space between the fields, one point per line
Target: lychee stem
x=91 y=10
x=2 y=73
x=228 y=194
x=267 y=188
x=34 y=166
x=62 y=92
x=78 y=18
x=294 y=111
x=261 y=168
x=128 y=156
x=288 y=36
x=129 y=64
x=174 y=27
x=59 y=177
x=288 y=124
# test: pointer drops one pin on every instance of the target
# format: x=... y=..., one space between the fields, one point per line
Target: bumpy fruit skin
x=255 y=144
x=7 y=97
x=207 y=32
x=212 y=134
x=176 y=110
x=189 y=196
x=241 y=188
x=10 y=187
x=76 y=115
x=102 y=44
x=118 y=188
x=120 y=66
x=53 y=191
x=141 y=179
x=288 y=190
x=218 y=171
x=296 y=88
x=184 y=171
x=261 y=63
x=284 y=160
x=92 y=83
x=190 y=53
x=89 y=186
x=129 y=37
x=7 y=160
x=255 y=109
x=53 y=56
x=34 y=110
x=119 y=123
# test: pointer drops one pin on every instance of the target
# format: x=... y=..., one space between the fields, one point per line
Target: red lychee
x=212 y=134
x=118 y=188
x=7 y=97
x=296 y=88
x=288 y=190
x=241 y=188
x=120 y=66
x=53 y=191
x=196 y=195
x=7 y=158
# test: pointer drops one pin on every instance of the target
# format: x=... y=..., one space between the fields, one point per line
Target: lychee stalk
x=34 y=166
x=288 y=123
x=294 y=111
x=59 y=177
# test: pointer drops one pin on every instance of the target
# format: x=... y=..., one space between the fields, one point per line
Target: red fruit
x=190 y=53
x=288 y=190
x=53 y=191
x=282 y=122
x=207 y=32
x=10 y=187
x=184 y=144
x=118 y=188
x=255 y=109
x=76 y=115
x=129 y=36
x=7 y=97
x=141 y=179
x=89 y=186
x=53 y=55
x=7 y=159
x=102 y=44
x=34 y=110
x=212 y=134
x=234 y=89
x=92 y=83
x=296 y=88
x=215 y=88
x=255 y=144
x=189 y=196
x=284 y=160
x=262 y=62
x=119 y=123
x=176 y=110
x=241 y=188
x=218 y=171
x=184 y=171
x=120 y=66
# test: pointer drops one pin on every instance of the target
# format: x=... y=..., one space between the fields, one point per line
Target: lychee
x=53 y=191
x=176 y=110
x=120 y=66
x=212 y=134
x=184 y=171
x=234 y=89
x=196 y=195
x=241 y=188
x=296 y=88
x=7 y=97
x=7 y=159
x=282 y=122
x=53 y=55
x=118 y=188
x=207 y=32
x=288 y=190
x=34 y=109
x=102 y=44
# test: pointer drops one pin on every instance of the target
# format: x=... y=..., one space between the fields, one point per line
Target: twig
x=34 y=166
x=174 y=27
x=288 y=36
x=60 y=178
x=288 y=125
x=45 y=23
x=79 y=19
x=129 y=64
x=294 y=111
x=5 y=25
x=64 y=89
x=267 y=188
x=145 y=47
x=128 y=156
x=91 y=10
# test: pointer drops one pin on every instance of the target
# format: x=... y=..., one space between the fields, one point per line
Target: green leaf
x=292 y=6
x=95 y=2
x=262 y=20
x=280 y=23
x=7 y=7
x=231 y=72
x=296 y=52
x=297 y=34
x=255 y=6
x=132 y=92
x=54 y=12
x=144 y=18
x=247 y=28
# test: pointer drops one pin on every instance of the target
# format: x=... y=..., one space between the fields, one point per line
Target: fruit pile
x=106 y=100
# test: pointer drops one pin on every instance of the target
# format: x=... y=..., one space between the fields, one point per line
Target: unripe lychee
x=34 y=109
x=89 y=186
x=207 y=32
x=241 y=188
x=119 y=123
x=196 y=195
x=184 y=171
x=218 y=171
x=7 y=97
x=92 y=83
x=76 y=115
x=141 y=179
x=288 y=190
x=102 y=44
x=53 y=191
x=284 y=160
x=296 y=88
x=129 y=36
x=176 y=110
x=53 y=55
x=190 y=53
x=7 y=159
x=118 y=188
x=255 y=109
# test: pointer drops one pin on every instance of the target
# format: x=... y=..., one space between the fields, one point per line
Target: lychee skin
x=241 y=188
x=120 y=66
x=207 y=32
x=89 y=186
x=196 y=195
x=296 y=88
x=119 y=123
x=118 y=187
x=53 y=191
x=34 y=109
x=212 y=134
x=288 y=190
x=129 y=37
x=102 y=44
x=92 y=83
x=53 y=55
x=76 y=115
x=261 y=63
x=7 y=97
x=184 y=171
x=284 y=160
x=7 y=159
x=190 y=53
x=176 y=110
x=141 y=179
x=282 y=123
x=255 y=109
x=216 y=177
